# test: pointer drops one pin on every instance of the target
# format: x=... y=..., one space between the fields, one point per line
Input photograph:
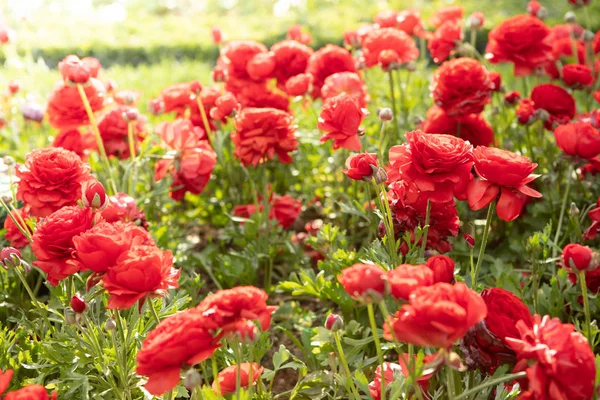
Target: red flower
x=183 y=339
x=437 y=315
x=556 y=101
x=291 y=59
x=93 y=65
x=74 y=141
x=13 y=234
x=485 y=346
x=580 y=258
x=461 y=86
x=445 y=14
x=126 y=97
x=285 y=209
x=476 y=21
x=472 y=128
x=442 y=268
x=216 y=34
x=31 y=392
x=525 y=112
x=238 y=53
x=391 y=370
x=122 y=207
x=257 y=94
x=534 y=8
x=579 y=139
x=363 y=280
x=577 y=75
x=261 y=66
x=78 y=304
x=99 y=248
x=409 y=21
x=227 y=378
x=180 y=134
x=444 y=40
x=5 y=378
x=299 y=85
x=224 y=106
x=558 y=360
x=340 y=119
x=392 y=40
x=512 y=98
x=327 y=61
x=65 y=108
x=423 y=380
x=74 y=70
x=406 y=278
x=361 y=167
x=192 y=170
x=50 y=179
x=386 y=18
x=523 y=40
x=226 y=308
x=93 y=195
x=113 y=127
x=262 y=133
x=439 y=166
x=295 y=33
x=503 y=172
x=348 y=83
x=53 y=241
x=139 y=272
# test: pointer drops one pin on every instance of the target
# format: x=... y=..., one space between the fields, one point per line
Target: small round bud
x=470 y=240
x=192 y=379
x=13 y=86
x=78 y=304
x=195 y=87
x=542 y=13
x=93 y=195
x=6 y=199
x=410 y=66
x=386 y=114
x=570 y=17
x=156 y=107
x=334 y=322
x=476 y=20
x=588 y=36
x=32 y=112
x=70 y=317
x=131 y=114
x=110 y=325
x=573 y=210
x=10 y=257
x=541 y=114
x=8 y=160
x=380 y=176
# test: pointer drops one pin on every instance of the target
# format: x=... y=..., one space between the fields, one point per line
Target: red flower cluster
x=113 y=127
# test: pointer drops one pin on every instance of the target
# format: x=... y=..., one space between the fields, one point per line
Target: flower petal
x=480 y=193
x=509 y=205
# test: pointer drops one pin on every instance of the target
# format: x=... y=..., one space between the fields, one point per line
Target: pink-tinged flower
x=346 y=82
x=390 y=40
x=445 y=14
x=340 y=119
x=444 y=40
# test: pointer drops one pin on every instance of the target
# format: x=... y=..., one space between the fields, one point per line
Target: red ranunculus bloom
x=461 y=86
x=50 y=179
x=577 y=75
x=438 y=165
x=122 y=207
x=299 y=85
x=363 y=280
x=262 y=133
x=442 y=268
x=113 y=128
x=559 y=103
x=53 y=241
x=361 y=167
x=423 y=380
x=291 y=59
x=180 y=134
x=65 y=108
x=496 y=81
x=579 y=139
x=523 y=40
x=295 y=33
x=238 y=53
x=227 y=378
x=437 y=315
x=472 y=128
x=224 y=106
x=503 y=172
x=578 y=257
x=13 y=234
x=327 y=61
x=192 y=170
x=216 y=34
x=406 y=278
x=257 y=94
x=285 y=209
x=99 y=248
x=227 y=307
x=346 y=82
x=409 y=21
x=388 y=39
x=31 y=392
x=512 y=97
x=391 y=370
x=485 y=345
x=386 y=18
x=444 y=40
x=183 y=339
x=74 y=70
x=444 y=14
x=261 y=66
x=78 y=143
x=139 y=272
x=525 y=112
x=340 y=119
x=558 y=360
x=5 y=378
x=93 y=65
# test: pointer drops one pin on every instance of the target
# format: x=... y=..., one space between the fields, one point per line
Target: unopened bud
x=410 y=66
x=542 y=13
x=195 y=87
x=470 y=240
x=130 y=115
x=70 y=317
x=8 y=160
x=380 y=176
x=334 y=322
x=156 y=107
x=588 y=36
x=246 y=332
x=192 y=379
x=93 y=195
x=573 y=210
x=10 y=257
x=541 y=114
x=32 y=112
x=476 y=20
x=570 y=17
x=110 y=325
x=386 y=114
x=453 y=361
x=6 y=199
x=78 y=304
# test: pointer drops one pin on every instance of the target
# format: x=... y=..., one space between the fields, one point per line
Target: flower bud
x=131 y=114
x=8 y=160
x=588 y=36
x=476 y=20
x=73 y=70
x=380 y=176
x=94 y=195
x=192 y=379
x=469 y=239
x=386 y=114
x=570 y=17
x=195 y=87
x=217 y=35
x=541 y=114
x=78 y=304
x=410 y=66
x=110 y=325
x=542 y=13
x=578 y=257
x=6 y=199
x=246 y=332
x=573 y=210
x=32 y=112
x=70 y=317
x=156 y=107
x=334 y=322
x=13 y=86
x=10 y=257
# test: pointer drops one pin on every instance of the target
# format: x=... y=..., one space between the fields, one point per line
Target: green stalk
x=450 y=382
x=350 y=387
x=377 y=347
x=215 y=371
x=586 y=307
x=393 y=97
x=425 y=229
x=204 y=117
x=563 y=208
x=153 y=311
x=490 y=383
x=484 y=239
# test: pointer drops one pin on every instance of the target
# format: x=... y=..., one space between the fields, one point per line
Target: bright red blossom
x=378 y=41
x=363 y=280
x=327 y=61
x=442 y=268
x=577 y=75
x=406 y=278
x=299 y=85
x=579 y=258
x=579 y=139
x=445 y=40
x=445 y=14
x=559 y=103
x=349 y=83
x=340 y=119
x=472 y=128
x=13 y=234
x=227 y=378
x=65 y=108
x=361 y=166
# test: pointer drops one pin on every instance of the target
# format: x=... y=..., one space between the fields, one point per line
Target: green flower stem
x=388 y=221
x=425 y=229
x=22 y=229
x=121 y=366
x=215 y=371
x=450 y=382
x=484 y=238
x=34 y=299
x=586 y=306
x=204 y=118
x=237 y=350
x=377 y=346
x=153 y=311
x=393 y=98
x=131 y=141
x=563 y=208
x=350 y=387
x=382 y=143
x=490 y=383
x=99 y=142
